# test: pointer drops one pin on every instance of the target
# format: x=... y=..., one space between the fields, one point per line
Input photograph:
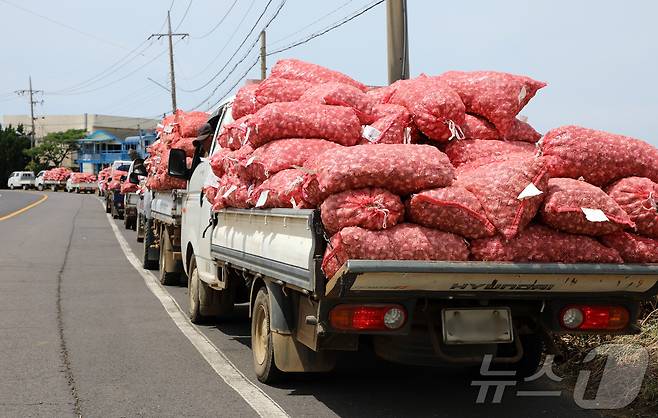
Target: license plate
x=477 y=326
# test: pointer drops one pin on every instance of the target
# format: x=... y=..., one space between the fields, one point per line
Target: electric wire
x=290 y=35
x=180 y=22
x=218 y=24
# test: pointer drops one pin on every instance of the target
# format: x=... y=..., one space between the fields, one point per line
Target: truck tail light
x=592 y=317
x=377 y=317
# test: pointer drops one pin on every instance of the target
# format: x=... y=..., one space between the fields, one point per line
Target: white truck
x=79 y=187
x=21 y=180
x=411 y=312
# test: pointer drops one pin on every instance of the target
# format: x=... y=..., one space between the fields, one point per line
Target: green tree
x=13 y=144
x=55 y=147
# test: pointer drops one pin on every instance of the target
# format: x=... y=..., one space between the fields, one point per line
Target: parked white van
x=21 y=179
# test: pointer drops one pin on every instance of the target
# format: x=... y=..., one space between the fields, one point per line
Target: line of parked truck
x=412 y=312
x=26 y=180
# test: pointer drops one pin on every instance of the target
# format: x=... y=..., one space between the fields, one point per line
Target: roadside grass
x=575 y=348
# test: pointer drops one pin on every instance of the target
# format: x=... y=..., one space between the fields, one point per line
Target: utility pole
x=397 y=40
x=263 y=55
x=30 y=92
x=171 y=56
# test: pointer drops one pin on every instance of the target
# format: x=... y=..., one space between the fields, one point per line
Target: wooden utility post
x=397 y=40
x=172 y=76
x=30 y=93
x=263 y=55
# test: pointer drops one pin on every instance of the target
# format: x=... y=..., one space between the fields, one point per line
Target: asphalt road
x=82 y=334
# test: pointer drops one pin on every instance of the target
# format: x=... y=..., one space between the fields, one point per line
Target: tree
x=55 y=146
x=13 y=144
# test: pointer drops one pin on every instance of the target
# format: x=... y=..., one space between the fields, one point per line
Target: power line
x=64 y=25
x=226 y=44
x=228 y=91
x=214 y=28
x=204 y=85
x=180 y=22
x=290 y=35
x=327 y=29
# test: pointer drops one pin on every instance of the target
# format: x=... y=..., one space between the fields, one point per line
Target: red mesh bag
x=436 y=108
x=510 y=191
x=632 y=248
x=115 y=180
x=498 y=97
x=476 y=127
x=82 y=178
x=235 y=134
x=274 y=90
x=293 y=69
x=232 y=192
x=468 y=150
x=188 y=123
x=401 y=169
x=340 y=94
x=186 y=144
x=128 y=187
x=539 y=244
x=371 y=208
x=226 y=161
x=391 y=126
x=599 y=157
x=452 y=209
x=282 y=154
x=580 y=208
x=381 y=94
x=57 y=174
x=401 y=242
x=304 y=120
x=245 y=101
x=282 y=190
x=637 y=197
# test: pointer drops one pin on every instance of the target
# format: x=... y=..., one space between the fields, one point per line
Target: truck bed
x=288 y=245
x=166 y=206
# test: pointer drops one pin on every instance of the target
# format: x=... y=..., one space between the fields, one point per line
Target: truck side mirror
x=133 y=178
x=177 y=164
x=139 y=168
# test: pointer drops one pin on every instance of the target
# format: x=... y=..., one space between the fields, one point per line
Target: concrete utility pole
x=171 y=56
x=398 y=40
x=30 y=92
x=263 y=55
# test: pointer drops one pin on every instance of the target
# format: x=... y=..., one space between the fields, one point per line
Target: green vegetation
x=13 y=144
x=54 y=147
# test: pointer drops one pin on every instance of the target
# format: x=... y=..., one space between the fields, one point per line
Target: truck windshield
x=123 y=167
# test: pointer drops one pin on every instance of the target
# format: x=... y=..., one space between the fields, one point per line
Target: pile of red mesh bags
x=453 y=209
x=637 y=197
x=245 y=101
x=282 y=190
x=392 y=125
x=340 y=94
x=580 y=208
x=401 y=242
x=77 y=178
x=275 y=90
x=128 y=187
x=57 y=174
x=599 y=157
x=469 y=150
x=540 y=244
x=496 y=96
x=102 y=178
x=115 y=180
x=303 y=120
x=371 y=208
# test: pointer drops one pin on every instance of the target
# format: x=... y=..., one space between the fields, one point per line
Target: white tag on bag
x=262 y=198
x=530 y=191
x=370 y=134
x=594 y=215
x=229 y=191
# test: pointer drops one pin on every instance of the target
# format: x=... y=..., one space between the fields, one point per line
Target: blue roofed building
x=100 y=148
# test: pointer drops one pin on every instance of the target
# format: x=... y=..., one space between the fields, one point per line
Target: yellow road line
x=21 y=210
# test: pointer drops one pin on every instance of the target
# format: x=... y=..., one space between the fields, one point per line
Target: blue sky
x=598 y=57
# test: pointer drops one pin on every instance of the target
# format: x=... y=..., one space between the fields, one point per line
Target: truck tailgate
x=466 y=279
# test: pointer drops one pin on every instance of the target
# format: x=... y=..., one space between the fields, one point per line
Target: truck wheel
x=140 y=228
x=40 y=187
x=126 y=223
x=194 y=305
x=53 y=188
x=167 y=262
x=11 y=187
x=148 y=241
x=261 y=340
x=77 y=190
x=108 y=209
x=25 y=187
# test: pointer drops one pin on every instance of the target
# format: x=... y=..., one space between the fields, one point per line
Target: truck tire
x=108 y=208
x=77 y=190
x=149 y=238
x=40 y=187
x=11 y=187
x=194 y=305
x=140 y=228
x=167 y=262
x=53 y=188
x=262 y=347
x=25 y=187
